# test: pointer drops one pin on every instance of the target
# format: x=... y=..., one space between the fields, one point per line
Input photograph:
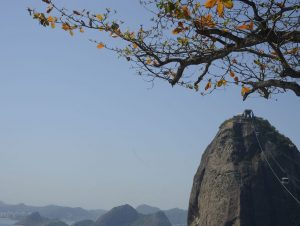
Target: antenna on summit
x=248 y=113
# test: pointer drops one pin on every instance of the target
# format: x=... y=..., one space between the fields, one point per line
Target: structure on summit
x=248 y=113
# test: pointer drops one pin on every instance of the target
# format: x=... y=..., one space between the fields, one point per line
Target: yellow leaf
x=135 y=45
x=228 y=4
x=99 y=17
x=100 y=45
x=148 y=61
x=220 y=9
x=220 y=83
x=81 y=30
x=210 y=3
x=52 y=24
x=197 y=5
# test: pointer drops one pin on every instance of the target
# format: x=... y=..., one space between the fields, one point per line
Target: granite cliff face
x=234 y=185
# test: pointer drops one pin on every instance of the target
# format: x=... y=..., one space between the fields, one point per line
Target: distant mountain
x=176 y=216
x=84 y=223
x=50 y=211
x=55 y=223
x=119 y=216
x=146 y=209
x=67 y=213
x=127 y=216
x=35 y=219
x=156 y=219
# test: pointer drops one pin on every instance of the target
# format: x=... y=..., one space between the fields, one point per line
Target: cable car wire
x=271 y=168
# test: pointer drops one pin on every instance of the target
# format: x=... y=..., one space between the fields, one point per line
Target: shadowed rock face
x=234 y=186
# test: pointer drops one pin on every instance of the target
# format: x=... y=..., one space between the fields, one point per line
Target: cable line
x=271 y=168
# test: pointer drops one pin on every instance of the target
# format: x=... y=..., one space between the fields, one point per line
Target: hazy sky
x=79 y=128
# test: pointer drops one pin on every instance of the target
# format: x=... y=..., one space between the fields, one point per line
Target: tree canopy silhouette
x=202 y=46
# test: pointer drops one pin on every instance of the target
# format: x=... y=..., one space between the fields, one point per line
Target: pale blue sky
x=79 y=128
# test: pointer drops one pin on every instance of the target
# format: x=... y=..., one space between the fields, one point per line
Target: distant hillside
x=156 y=219
x=127 y=216
x=146 y=209
x=118 y=216
x=84 y=223
x=176 y=216
x=79 y=215
x=35 y=219
x=50 y=211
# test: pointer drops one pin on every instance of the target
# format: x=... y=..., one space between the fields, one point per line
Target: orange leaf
x=242 y=27
x=245 y=90
x=66 y=26
x=251 y=25
x=177 y=30
x=180 y=24
x=185 y=11
x=236 y=79
x=50 y=19
x=204 y=21
x=232 y=74
x=81 y=30
x=208 y=85
x=210 y=3
x=100 y=45
x=52 y=24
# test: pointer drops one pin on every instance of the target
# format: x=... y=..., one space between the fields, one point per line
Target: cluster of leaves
x=248 y=43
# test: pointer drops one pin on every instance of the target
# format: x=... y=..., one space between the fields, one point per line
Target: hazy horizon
x=78 y=127
x=55 y=204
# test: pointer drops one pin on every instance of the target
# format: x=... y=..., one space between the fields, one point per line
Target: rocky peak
x=234 y=184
